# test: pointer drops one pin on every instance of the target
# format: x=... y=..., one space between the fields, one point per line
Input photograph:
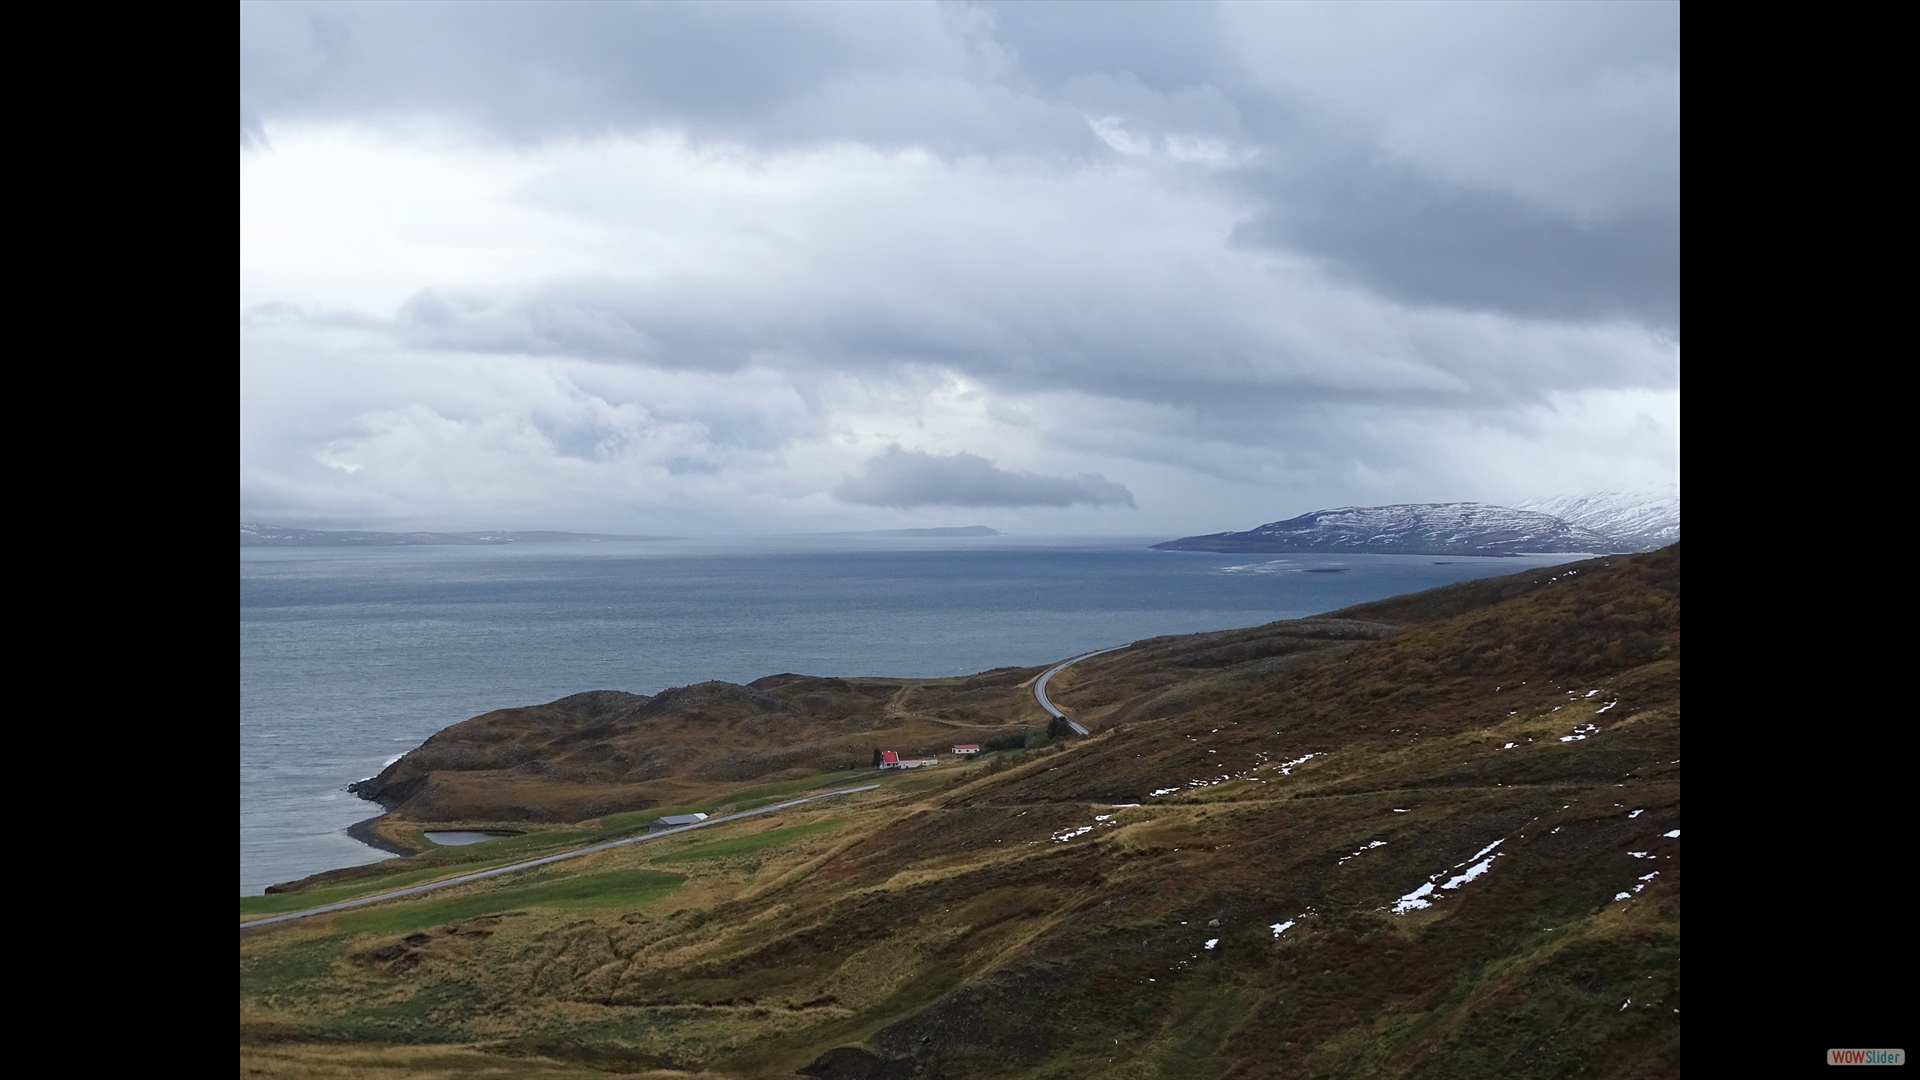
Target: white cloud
x=696 y=306
x=906 y=479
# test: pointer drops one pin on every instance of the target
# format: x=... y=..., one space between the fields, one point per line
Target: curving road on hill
x=248 y=924
x=1040 y=686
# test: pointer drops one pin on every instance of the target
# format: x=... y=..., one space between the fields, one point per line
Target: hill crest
x=1463 y=528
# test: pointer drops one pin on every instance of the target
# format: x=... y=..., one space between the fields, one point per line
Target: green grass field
x=746 y=845
x=282 y=902
x=573 y=892
x=534 y=843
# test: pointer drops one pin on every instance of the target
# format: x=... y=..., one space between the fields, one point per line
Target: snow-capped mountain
x=1413 y=529
x=1643 y=518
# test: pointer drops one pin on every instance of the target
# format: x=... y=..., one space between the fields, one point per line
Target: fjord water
x=351 y=656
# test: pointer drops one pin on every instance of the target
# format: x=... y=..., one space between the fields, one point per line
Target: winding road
x=1040 y=686
x=248 y=924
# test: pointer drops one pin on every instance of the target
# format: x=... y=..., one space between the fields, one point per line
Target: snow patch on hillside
x=1644 y=518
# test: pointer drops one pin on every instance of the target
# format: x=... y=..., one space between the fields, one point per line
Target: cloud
x=531 y=73
x=1431 y=240
x=664 y=267
x=1535 y=147
x=859 y=261
x=904 y=479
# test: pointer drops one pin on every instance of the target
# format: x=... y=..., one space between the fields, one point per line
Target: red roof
x=890 y=758
x=966 y=746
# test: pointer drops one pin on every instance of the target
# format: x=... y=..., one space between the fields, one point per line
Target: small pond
x=461 y=838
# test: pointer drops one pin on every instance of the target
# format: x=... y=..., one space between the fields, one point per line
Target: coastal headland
x=1437 y=834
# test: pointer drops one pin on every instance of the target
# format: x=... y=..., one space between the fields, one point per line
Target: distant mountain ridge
x=1462 y=528
x=1644 y=518
x=277 y=536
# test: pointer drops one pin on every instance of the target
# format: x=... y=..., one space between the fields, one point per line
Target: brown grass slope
x=1005 y=920
x=605 y=752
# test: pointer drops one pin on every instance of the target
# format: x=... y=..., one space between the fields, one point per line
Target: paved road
x=1040 y=685
x=248 y=924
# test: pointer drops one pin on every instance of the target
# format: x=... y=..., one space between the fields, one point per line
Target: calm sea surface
x=352 y=656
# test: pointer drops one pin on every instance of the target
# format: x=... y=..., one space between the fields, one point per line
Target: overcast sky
x=1055 y=268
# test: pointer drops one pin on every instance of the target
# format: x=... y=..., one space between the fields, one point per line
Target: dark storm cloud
x=1167 y=46
x=532 y=71
x=1171 y=337
x=904 y=479
x=1339 y=150
x=1430 y=241
x=773 y=74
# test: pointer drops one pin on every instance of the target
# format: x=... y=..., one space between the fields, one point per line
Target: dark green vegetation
x=1440 y=798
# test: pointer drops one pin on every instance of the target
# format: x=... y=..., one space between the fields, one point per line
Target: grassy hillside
x=1431 y=837
x=606 y=752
